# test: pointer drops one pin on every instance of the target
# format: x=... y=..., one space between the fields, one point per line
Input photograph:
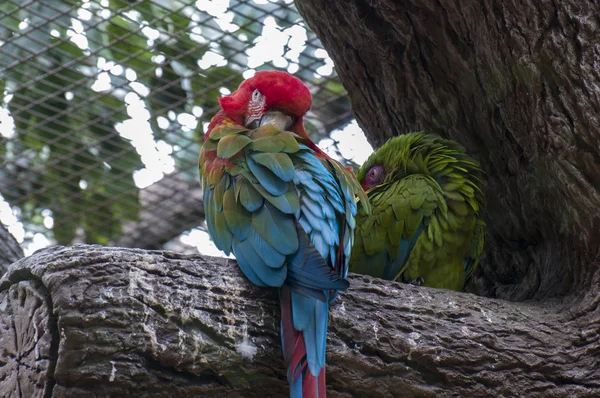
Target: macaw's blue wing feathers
x=276 y=228
x=270 y=256
x=249 y=197
x=309 y=272
x=239 y=219
x=279 y=163
x=266 y=178
x=255 y=268
x=288 y=203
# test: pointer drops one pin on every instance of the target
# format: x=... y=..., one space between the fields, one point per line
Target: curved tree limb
x=167 y=209
x=10 y=250
x=124 y=322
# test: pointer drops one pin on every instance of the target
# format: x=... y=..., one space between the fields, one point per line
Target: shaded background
x=105 y=103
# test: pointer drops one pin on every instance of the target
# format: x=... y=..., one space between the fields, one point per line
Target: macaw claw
x=417 y=282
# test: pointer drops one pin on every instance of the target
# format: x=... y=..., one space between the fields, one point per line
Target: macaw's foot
x=417 y=282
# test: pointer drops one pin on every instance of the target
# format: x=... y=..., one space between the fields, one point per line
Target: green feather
x=223 y=131
x=239 y=220
x=279 y=163
x=276 y=228
x=231 y=145
x=266 y=130
x=248 y=196
x=432 y=195
x=282 y=142
x=219 y=192
x=288 y=203
x=209 y=145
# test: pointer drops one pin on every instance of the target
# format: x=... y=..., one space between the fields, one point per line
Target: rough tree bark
x=517 y=84
x=90 y=321
x=10 y=250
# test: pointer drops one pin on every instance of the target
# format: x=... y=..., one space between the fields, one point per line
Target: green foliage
x=66 y=154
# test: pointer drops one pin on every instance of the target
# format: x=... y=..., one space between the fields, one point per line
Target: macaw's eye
x=374 y=176
x=255 y=95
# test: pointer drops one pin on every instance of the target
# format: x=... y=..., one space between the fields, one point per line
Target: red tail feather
x=294 y=353
x=314 y=387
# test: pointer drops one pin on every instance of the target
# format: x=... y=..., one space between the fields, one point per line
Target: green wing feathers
x=399 y=210
x=426 y=214
x=476 y=248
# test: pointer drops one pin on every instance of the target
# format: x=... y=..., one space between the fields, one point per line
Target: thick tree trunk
x=97 y=321
x=517 y=83
x=10 y=250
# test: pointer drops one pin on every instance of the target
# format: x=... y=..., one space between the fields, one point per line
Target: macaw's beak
x=281 y=120
x=252 y=124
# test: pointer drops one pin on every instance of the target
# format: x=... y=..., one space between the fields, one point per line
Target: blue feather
x=270 y=256
x=306 y=226
x=311 y=317
x=328 y=211
x=329 y=234
x=279 y=163
x=314 y=207
x=332 y=254
x=302 y=310
x=334 y=227
x=255 y=268
x=296 y=388
x=322 y=316
x=406 y=247
x=276 y=228
x=288 y=203
x=350 y=219
x=308 y=271
x=273 y=184
x=249 y=197
x=317 y=196
x=312 y=219
x=244 y=264
x=303 y=177
x=319 y=243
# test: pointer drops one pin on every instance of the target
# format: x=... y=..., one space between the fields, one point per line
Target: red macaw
x=284 y=208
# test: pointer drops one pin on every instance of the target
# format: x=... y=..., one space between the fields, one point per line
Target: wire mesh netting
x=105 y=103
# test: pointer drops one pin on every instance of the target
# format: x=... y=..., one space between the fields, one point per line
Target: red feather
x=220 y=118
x=283 y=92
x=294 y=351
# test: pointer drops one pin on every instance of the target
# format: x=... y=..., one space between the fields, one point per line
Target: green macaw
x=425 y=227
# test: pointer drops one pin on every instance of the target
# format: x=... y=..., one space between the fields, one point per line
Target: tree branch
x=10 y=250
x=167 y=208
x=125 y=322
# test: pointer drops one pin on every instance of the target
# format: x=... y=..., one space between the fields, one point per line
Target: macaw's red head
x=269 y=97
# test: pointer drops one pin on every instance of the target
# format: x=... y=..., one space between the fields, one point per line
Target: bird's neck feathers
x=298 y=128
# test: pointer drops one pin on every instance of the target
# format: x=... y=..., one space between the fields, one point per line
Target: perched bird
x=284 y=208
x=425 y=227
